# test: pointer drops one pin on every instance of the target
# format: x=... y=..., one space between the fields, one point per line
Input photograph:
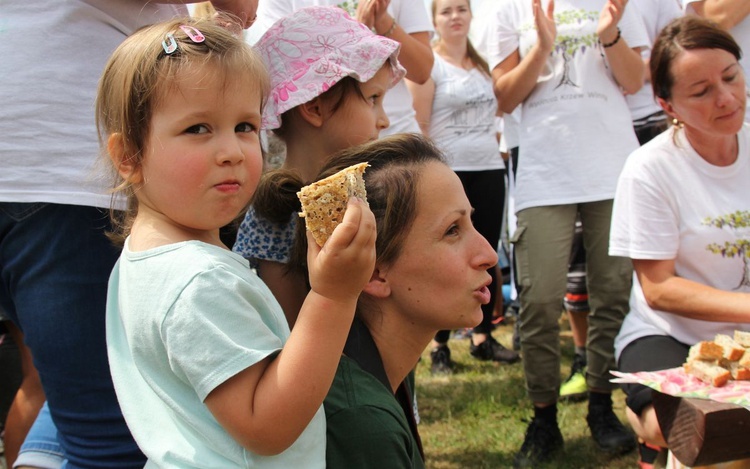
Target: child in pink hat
x=329 y=74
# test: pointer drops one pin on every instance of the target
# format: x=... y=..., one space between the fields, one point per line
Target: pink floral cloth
x=311 y=50
x=676 y=382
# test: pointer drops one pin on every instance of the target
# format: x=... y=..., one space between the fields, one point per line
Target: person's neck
x=454 y=52
x=306 y=155
x=718 y=150
x=400 y=345
x=152 y=230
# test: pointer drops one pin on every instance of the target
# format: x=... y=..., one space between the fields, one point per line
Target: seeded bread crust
x=324 y=202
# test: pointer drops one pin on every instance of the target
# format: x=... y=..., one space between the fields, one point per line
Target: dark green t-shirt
x=366 y=425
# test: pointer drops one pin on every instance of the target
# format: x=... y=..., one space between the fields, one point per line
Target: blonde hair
x=140 y=72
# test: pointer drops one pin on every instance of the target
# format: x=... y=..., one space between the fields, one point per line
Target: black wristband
x=615 y=41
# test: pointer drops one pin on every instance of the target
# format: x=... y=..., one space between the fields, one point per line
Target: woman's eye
x=700 y=93
x=245 y=127
x=452 y=231
x=730 y=78
x=197 y=129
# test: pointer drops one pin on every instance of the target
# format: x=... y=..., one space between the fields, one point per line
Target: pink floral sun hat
x=311 y=50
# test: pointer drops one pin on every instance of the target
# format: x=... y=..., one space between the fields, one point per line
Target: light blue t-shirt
x=181 y=320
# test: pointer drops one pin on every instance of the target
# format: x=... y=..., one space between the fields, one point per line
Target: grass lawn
x=477 y=417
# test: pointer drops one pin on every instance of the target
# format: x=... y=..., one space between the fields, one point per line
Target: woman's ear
x=668 y=108
x=126 y=166
x=378 y=286
x=312 y=112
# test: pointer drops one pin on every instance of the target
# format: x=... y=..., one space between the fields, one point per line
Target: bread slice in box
x=706 y=350
x=745 y=360
x=742 y=338
x=733 y=351
x=324 y=202
x=739 y=372
x=708 y=372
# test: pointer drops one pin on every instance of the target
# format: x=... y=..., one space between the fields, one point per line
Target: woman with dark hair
x=430 y=274
x=682 y=211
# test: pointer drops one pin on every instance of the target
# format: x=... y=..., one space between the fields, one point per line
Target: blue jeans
x=55 y=262
x=41 y=449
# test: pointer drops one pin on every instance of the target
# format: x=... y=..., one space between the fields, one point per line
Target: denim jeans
x=55 y=262
x=41 y=449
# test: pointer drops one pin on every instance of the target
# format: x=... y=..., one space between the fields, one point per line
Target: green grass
x=477 y=417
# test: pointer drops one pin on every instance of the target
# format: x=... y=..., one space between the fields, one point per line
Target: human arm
x=665 y=291
x=727 y=13
x=422 y=96
x=514 y=78
x=626 y=63
x=415 y=54
x=289 y=288
x=267 y=406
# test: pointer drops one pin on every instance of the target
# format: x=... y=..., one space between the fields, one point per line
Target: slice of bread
x=732 y=350
x=745 y=359
x=708 y=372
x=706 y=350
x=742 y=338
x=324 y=202
x=738 y=372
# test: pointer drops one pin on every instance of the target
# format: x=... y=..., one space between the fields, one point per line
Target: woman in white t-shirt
x=566 y=63
x=456 y=107
x=682 y=211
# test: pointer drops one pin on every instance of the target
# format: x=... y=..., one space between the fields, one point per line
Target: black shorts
x=650 y=353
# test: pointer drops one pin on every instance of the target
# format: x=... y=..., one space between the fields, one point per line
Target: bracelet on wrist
x=391 y=29
x=615 y=41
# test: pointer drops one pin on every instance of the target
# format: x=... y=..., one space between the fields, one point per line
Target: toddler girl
x=329 y=74
x=194 y=337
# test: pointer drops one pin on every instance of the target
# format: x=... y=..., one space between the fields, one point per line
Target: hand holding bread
x=341 y=234
x=324 y=202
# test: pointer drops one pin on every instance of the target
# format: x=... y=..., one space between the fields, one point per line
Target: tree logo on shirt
x=737 y=248
x=568 y=45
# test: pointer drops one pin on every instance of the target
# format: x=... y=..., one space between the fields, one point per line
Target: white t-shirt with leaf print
x=575 y=127
x=673 y=204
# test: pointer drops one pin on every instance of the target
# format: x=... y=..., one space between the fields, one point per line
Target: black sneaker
x=543 y=439
x=491 y=349
x=608 y=433
x=441 y=360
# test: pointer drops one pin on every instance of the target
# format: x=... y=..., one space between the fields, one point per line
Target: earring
x=676 y=122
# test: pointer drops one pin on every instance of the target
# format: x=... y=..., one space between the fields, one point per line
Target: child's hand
x=341 y=268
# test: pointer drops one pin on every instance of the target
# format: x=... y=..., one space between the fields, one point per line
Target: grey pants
x=542 y=242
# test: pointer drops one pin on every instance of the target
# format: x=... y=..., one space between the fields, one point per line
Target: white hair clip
x=169 y=44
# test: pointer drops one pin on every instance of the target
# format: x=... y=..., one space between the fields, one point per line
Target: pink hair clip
x=169 y=44
x=193 y=33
